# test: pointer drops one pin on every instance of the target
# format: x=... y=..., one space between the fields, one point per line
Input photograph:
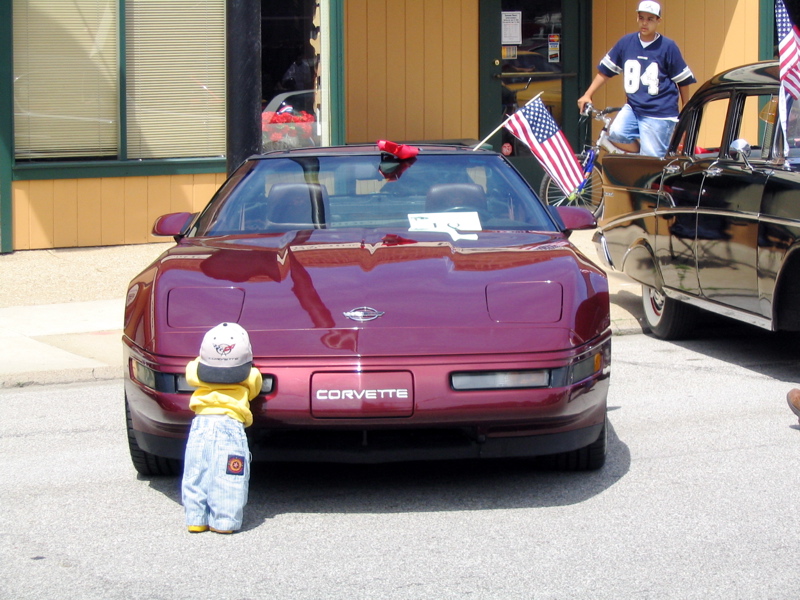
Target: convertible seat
x=298 y=205
x=447 y=196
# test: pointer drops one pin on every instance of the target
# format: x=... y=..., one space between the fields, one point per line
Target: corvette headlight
x=171 y=383
x=150 y=378
x=267 y=382
x=497 y=380
x=589 y=365
x=586 y=367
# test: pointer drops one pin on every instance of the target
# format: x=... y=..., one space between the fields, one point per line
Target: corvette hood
x=370 y=293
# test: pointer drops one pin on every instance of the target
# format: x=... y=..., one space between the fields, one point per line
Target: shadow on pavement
x=629 y=302
x=775 y=354
x=321 y=488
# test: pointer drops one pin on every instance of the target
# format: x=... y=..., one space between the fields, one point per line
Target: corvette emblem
x=363 y=314
x=224 y=349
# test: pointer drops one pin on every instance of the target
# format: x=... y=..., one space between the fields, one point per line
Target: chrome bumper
x=601 y=245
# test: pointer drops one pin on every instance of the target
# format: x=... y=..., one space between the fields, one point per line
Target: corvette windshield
x=454 y=193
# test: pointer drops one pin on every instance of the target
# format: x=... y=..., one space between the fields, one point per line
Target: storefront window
x=292 y=54
x=66 y=89
x=70 y=102
x=175 y=74
x=68 y=98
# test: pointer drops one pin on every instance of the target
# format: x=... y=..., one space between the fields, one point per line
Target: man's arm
x=685 y=95
x=597 y=83
x=679 y=72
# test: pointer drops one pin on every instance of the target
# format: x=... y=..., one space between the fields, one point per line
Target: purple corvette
x=407 y=305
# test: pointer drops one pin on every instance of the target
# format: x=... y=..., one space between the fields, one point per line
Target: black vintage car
x=715 y=225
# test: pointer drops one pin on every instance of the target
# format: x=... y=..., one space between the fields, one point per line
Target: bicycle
x=590 y=193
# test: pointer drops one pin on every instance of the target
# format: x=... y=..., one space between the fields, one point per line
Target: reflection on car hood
x=428 y=295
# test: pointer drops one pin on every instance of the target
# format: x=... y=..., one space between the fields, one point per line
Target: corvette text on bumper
x=360 y=394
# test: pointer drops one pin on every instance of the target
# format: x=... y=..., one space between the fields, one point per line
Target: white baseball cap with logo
x=225 y=354
x=654 y=8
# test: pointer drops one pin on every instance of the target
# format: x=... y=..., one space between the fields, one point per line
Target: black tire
x=588 y=458
x=590 y=198
x=145 y=463
x=667 y=318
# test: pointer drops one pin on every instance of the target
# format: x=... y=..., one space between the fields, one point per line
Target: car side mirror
x=173 y=224
x=575 y=218
x=742 y=148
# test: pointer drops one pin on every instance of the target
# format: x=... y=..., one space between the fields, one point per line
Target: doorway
x=291 y=50
x=531 y=47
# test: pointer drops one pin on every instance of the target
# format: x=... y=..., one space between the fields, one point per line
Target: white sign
x=512 y=28
x=447 y=222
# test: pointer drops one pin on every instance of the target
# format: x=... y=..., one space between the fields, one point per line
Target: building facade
x=117 y=111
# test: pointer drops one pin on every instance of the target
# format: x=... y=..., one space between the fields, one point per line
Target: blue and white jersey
x=651 y=74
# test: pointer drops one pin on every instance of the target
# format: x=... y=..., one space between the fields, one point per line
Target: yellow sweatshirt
x=231 y=399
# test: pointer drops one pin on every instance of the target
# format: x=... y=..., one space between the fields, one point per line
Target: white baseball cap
x=225 y=354
x=654 y=8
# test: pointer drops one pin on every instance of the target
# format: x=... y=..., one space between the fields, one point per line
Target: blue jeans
x=653 y=134
x=216 y=473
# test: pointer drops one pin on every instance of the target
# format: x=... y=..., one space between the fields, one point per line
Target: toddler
x=216 y=471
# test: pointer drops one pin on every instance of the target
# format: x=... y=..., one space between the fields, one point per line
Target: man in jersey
x=654 y=75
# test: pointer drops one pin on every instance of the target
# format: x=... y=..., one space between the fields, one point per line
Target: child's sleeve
x=253 y=383
x=191 y=374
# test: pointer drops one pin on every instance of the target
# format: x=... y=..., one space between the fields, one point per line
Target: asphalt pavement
x=61 y=311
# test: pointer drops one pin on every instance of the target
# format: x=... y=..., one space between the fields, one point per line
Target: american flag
x=535 y=126
x=789 y=50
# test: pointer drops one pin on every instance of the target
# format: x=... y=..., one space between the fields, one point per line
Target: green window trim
x=336 y=75
x=96 y=169
x=766 y=30
x=6 y=127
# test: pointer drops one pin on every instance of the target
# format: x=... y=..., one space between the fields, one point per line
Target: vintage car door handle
x=713 y=171
x=671 y=169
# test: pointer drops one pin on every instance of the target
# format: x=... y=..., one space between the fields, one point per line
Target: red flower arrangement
x=277 y=126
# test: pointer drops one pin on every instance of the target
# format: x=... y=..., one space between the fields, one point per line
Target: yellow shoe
x=198 y=528
x=220 y=530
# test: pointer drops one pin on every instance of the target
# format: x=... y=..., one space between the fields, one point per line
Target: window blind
x=66 y=91
x=175 y=78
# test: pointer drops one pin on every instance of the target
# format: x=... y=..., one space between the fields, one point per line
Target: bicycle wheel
x=590 y=198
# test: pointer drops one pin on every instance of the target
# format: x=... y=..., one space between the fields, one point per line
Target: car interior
x=282 y=194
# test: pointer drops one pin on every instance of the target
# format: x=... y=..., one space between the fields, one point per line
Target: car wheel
x=667 y=319
x=145 y=463
x=588 y=458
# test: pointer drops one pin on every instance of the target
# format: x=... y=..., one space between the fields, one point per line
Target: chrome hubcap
x=657 y=301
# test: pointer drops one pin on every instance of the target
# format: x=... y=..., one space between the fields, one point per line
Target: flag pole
x=499 y=127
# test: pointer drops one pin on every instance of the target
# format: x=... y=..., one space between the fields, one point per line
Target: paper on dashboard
x=451 y=223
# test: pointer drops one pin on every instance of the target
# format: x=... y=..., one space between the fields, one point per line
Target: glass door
x=532 y=65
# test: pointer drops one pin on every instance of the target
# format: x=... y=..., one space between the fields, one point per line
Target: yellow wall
x=412 y=65
x=411 y=69
x=411 y=74
x=68 y=213
x=713 y=35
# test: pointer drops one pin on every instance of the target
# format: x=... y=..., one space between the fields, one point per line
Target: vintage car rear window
x=467 y=192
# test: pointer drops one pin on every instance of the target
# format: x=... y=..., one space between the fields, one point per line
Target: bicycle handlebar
x=590 y=111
